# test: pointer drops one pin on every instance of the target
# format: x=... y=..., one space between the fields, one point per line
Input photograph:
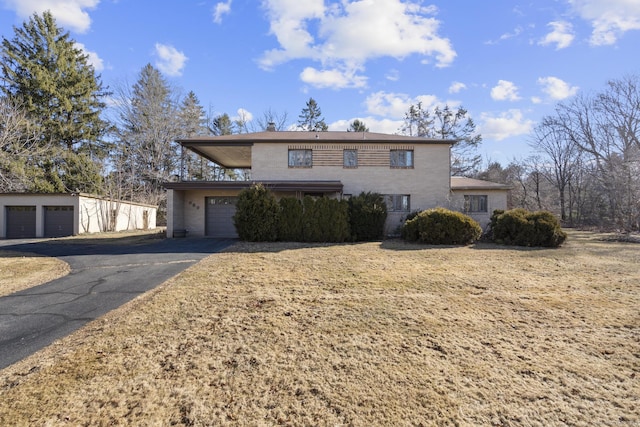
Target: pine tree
x=52 y=79
x=311 y=118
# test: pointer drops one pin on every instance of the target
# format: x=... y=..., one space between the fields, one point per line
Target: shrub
x=367 y=215
x=290 y=220
x=324 y=220
x=440 y=226
x=256 y=217
x=520 y=227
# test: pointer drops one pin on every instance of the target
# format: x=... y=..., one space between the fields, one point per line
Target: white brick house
x=413 y=173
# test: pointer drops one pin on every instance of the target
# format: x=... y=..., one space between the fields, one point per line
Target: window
x=350 y=158
x=300 y=158
x=398 y=202
x=475 y=203
x=401 y=158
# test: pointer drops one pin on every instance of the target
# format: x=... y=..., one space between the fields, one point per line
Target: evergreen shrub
x=324 y=220
x=290 y=220
x=256 y=217
x=520 y=227
x=440 y=226
x=367 y=216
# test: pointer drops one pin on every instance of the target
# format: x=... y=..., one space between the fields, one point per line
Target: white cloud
x=221 y=9
x=335 y=78
x=610 y=19
x=393 y=75
x=556 y=88
x=456 y=87
x=395 y=105
x=93 y=57
x=243 y=115
x=348 y=34
x=505 y=91
x=69 y=14
x=561 y=35
x=506 y=36
x=170 y=60
x=507 y=124
x=374 y=124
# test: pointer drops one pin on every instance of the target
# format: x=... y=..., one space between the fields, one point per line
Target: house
x=413 y=173
x=478 y=198
x=25 y=215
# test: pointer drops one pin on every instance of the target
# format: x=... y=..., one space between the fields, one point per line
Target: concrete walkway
x=102 y=278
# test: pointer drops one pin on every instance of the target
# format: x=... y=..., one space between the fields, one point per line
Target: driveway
x=102 y=278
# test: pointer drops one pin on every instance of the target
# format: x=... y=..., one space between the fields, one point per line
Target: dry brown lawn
x=20 y=271
x=364 y=334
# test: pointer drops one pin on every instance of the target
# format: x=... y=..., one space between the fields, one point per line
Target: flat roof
x=234 y=151
x=310 y=186
x=463 y=183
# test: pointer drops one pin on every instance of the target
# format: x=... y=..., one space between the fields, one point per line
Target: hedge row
x=260 y=217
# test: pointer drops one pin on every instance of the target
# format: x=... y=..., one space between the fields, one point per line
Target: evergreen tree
x=357 y=126
x=311 y=118
x=44 y=70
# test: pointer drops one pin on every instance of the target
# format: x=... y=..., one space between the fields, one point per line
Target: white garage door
x=219 y=217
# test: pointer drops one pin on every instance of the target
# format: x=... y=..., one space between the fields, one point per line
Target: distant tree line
x=586 y=166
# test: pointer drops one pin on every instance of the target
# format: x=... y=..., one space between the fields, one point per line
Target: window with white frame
x=398 y=202
x=300 y=158
x=475 y=203
x=401 y=158
x=350 y=158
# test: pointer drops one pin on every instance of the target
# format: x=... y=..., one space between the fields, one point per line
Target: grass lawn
x=19 y=270
x=363 y=334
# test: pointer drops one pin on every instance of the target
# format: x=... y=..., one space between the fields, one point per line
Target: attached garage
x=58 y=221
x=219 y=213
x=20 y=222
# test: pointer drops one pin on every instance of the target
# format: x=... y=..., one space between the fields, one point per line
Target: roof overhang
x=234 y=151
x=469 y=184
x=288 y=186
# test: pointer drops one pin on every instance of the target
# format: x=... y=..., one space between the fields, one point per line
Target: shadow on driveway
x=102 y=278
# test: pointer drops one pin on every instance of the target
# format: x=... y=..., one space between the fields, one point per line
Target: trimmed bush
x=256 y=217
x=367 y=215
x=520 y=227
x=324 y=220
x=290 y=220
x=440 y=226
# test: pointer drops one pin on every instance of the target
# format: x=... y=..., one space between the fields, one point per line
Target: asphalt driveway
x=102 y=278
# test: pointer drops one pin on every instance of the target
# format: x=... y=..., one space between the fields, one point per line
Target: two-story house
x=412 y=173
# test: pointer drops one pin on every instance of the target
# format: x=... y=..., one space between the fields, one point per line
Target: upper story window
x=401 y=158
x=475 y=203
x=350 y=158
x=300 y=158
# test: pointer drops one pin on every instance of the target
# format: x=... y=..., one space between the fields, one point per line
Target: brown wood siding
x=368 y=155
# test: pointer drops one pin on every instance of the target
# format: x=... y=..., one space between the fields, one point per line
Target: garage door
x=219 y=217
x=21 y=222
x=58 y=221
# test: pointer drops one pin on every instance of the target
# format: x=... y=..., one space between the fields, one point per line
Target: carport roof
x=308 y=186
x=234 y=151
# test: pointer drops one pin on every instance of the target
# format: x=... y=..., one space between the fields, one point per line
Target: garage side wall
x=100 y=215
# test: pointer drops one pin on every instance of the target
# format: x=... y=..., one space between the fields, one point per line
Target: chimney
x=271 y=127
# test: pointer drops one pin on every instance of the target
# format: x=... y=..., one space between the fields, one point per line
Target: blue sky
x=507 y=61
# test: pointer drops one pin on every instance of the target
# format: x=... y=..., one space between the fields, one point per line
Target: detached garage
x=24 y=216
